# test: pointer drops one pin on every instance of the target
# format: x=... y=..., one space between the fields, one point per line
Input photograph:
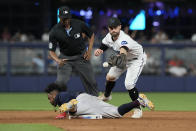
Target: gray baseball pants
x=82 y=68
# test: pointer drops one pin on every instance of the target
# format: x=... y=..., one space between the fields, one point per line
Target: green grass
x=24 y=101
x=28 y=127
x=163 y=101
x=39 y=101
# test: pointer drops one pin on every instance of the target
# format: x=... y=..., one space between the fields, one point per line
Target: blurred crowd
x=174 y=65
x=19 y=36
x=154 y=36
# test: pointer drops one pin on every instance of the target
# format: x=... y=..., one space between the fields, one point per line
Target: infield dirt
x=151 y=121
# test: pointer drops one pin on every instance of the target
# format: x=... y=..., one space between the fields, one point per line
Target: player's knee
x=129 y=85
x=110 y=78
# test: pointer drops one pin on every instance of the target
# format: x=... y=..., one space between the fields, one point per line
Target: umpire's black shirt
x=70 y=41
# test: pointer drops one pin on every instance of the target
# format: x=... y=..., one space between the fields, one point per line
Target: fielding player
x=85 y=104
x=131 y=58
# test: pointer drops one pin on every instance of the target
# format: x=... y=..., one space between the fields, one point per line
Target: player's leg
x=124 y=108
x=87 y=77
x=92 y=105
x=134 y=70
x=142 y=100
x=113 y=74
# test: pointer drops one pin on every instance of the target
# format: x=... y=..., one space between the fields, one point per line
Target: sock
x=134 y=94
x=127 y=107
x=108 y=88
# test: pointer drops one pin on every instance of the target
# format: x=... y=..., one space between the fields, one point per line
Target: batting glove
x=71 y=105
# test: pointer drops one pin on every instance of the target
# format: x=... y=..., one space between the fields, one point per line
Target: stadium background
x=169 y=39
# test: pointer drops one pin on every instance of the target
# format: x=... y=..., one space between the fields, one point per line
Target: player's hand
x=64 y=107
x=98 y=52
x=70 y=106
x=61 y=62
x=87 y=55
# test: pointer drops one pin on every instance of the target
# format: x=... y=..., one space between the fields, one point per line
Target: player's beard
x=115 y=34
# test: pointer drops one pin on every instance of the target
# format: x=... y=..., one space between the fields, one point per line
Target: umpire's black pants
x=84 y=70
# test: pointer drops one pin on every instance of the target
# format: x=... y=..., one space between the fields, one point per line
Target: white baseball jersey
x=136 y=58
x=135 y=49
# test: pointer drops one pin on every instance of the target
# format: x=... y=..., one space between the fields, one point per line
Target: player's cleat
x=137 y=113
x=103 y=98
x=61 y=116
x=144 y=101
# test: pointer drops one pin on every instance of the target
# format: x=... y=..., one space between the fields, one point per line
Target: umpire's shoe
x=144 y=101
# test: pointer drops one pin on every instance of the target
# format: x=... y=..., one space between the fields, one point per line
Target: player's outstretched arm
x=100 y=50
x=70 y=106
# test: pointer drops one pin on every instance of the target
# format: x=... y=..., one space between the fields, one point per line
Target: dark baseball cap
x=64 y=12
x=113 y=22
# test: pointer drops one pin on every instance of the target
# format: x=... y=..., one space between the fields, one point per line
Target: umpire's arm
x=87 y=54
x=52 y=48
x=91 y=36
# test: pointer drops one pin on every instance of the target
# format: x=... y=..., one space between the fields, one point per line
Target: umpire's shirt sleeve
x=86 y=29
x=52 y=42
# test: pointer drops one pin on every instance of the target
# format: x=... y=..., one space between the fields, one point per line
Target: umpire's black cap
x=113 y=22
x=64 y=12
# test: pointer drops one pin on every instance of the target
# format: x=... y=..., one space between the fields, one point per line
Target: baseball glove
x=118 y=60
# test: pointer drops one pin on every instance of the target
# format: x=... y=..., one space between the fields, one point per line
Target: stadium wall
x=37 y=83
x=145 y=83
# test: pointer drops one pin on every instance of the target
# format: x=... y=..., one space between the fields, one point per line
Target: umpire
x=74 y=57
